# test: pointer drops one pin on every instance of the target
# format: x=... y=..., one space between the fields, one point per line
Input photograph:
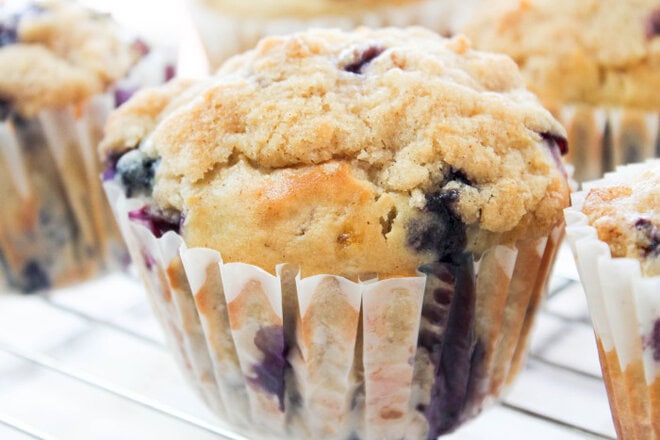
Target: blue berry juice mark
x=110 y=162
x=156 y=222
x=123 y=94
x=363 y=60
x=269 y=373
x=452 y=348
x=652 y=340
x=170 y=72
x=652 y=25
x=557 y=140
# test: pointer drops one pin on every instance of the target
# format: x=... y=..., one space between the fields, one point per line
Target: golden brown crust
x=132 y=122
x=64 y=53
x=321 y=217
x=318 y=149
x=577 y=51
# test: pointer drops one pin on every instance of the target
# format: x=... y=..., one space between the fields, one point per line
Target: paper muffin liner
x=56 y=226
x=625 y=312
x=224 y=34
x=280 y=356
x=602 y=138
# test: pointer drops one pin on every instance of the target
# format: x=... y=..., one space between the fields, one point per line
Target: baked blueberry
x=653 y=24
x=136 y=172
x=439 y=228
x=649 y=241
x=363 y=59
x=34 y=277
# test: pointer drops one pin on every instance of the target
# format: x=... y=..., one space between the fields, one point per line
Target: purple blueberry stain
x=556 y=140
x=158 y=223
x=111 y=166
x=149 y=260
x=652 y=341
x=5 y=109
x=558 y=146
x=650 y=243
x=447 y=332
x=452 y=351
x=652 y=25
x=269 y=373
x=363 y=59
x=170 y=72
x=123 y=94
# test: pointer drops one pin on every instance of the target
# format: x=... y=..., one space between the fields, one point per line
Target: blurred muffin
x=394 y=154
x=595 y=63
x=62 y=69
x=613 y=229
x=228 y=27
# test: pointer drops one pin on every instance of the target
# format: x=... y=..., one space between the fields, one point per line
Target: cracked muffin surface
x=346 y=153
x=599 y=52
x=84 y=52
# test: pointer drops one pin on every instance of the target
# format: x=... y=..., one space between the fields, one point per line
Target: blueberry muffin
x=601 y=72
x=614 y=231
x=62 y=69
x=228 y=27
x=346 y=234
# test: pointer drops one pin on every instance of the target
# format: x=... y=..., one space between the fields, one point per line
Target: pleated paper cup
x=224 y=34
x=56 y=226
x=602 y=138
x=625 y=312
x=280 y=356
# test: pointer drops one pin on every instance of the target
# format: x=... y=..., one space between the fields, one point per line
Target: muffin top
x=345 y=153
x=626 y=216
x=299 y=8
x=55 y=53
x=598 y=52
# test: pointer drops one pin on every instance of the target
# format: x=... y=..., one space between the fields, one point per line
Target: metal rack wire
x=90 y=363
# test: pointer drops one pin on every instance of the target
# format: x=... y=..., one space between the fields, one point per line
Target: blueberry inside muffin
x=627 y=217
x=377 y=151
x=57 y=62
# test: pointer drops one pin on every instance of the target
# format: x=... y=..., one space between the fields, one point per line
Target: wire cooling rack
x=90 y=363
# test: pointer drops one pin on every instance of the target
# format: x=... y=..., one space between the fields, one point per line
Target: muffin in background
x=228 y=27
x=63 y=68
x=594 y=63
x=345 y=235
x=614 y=230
